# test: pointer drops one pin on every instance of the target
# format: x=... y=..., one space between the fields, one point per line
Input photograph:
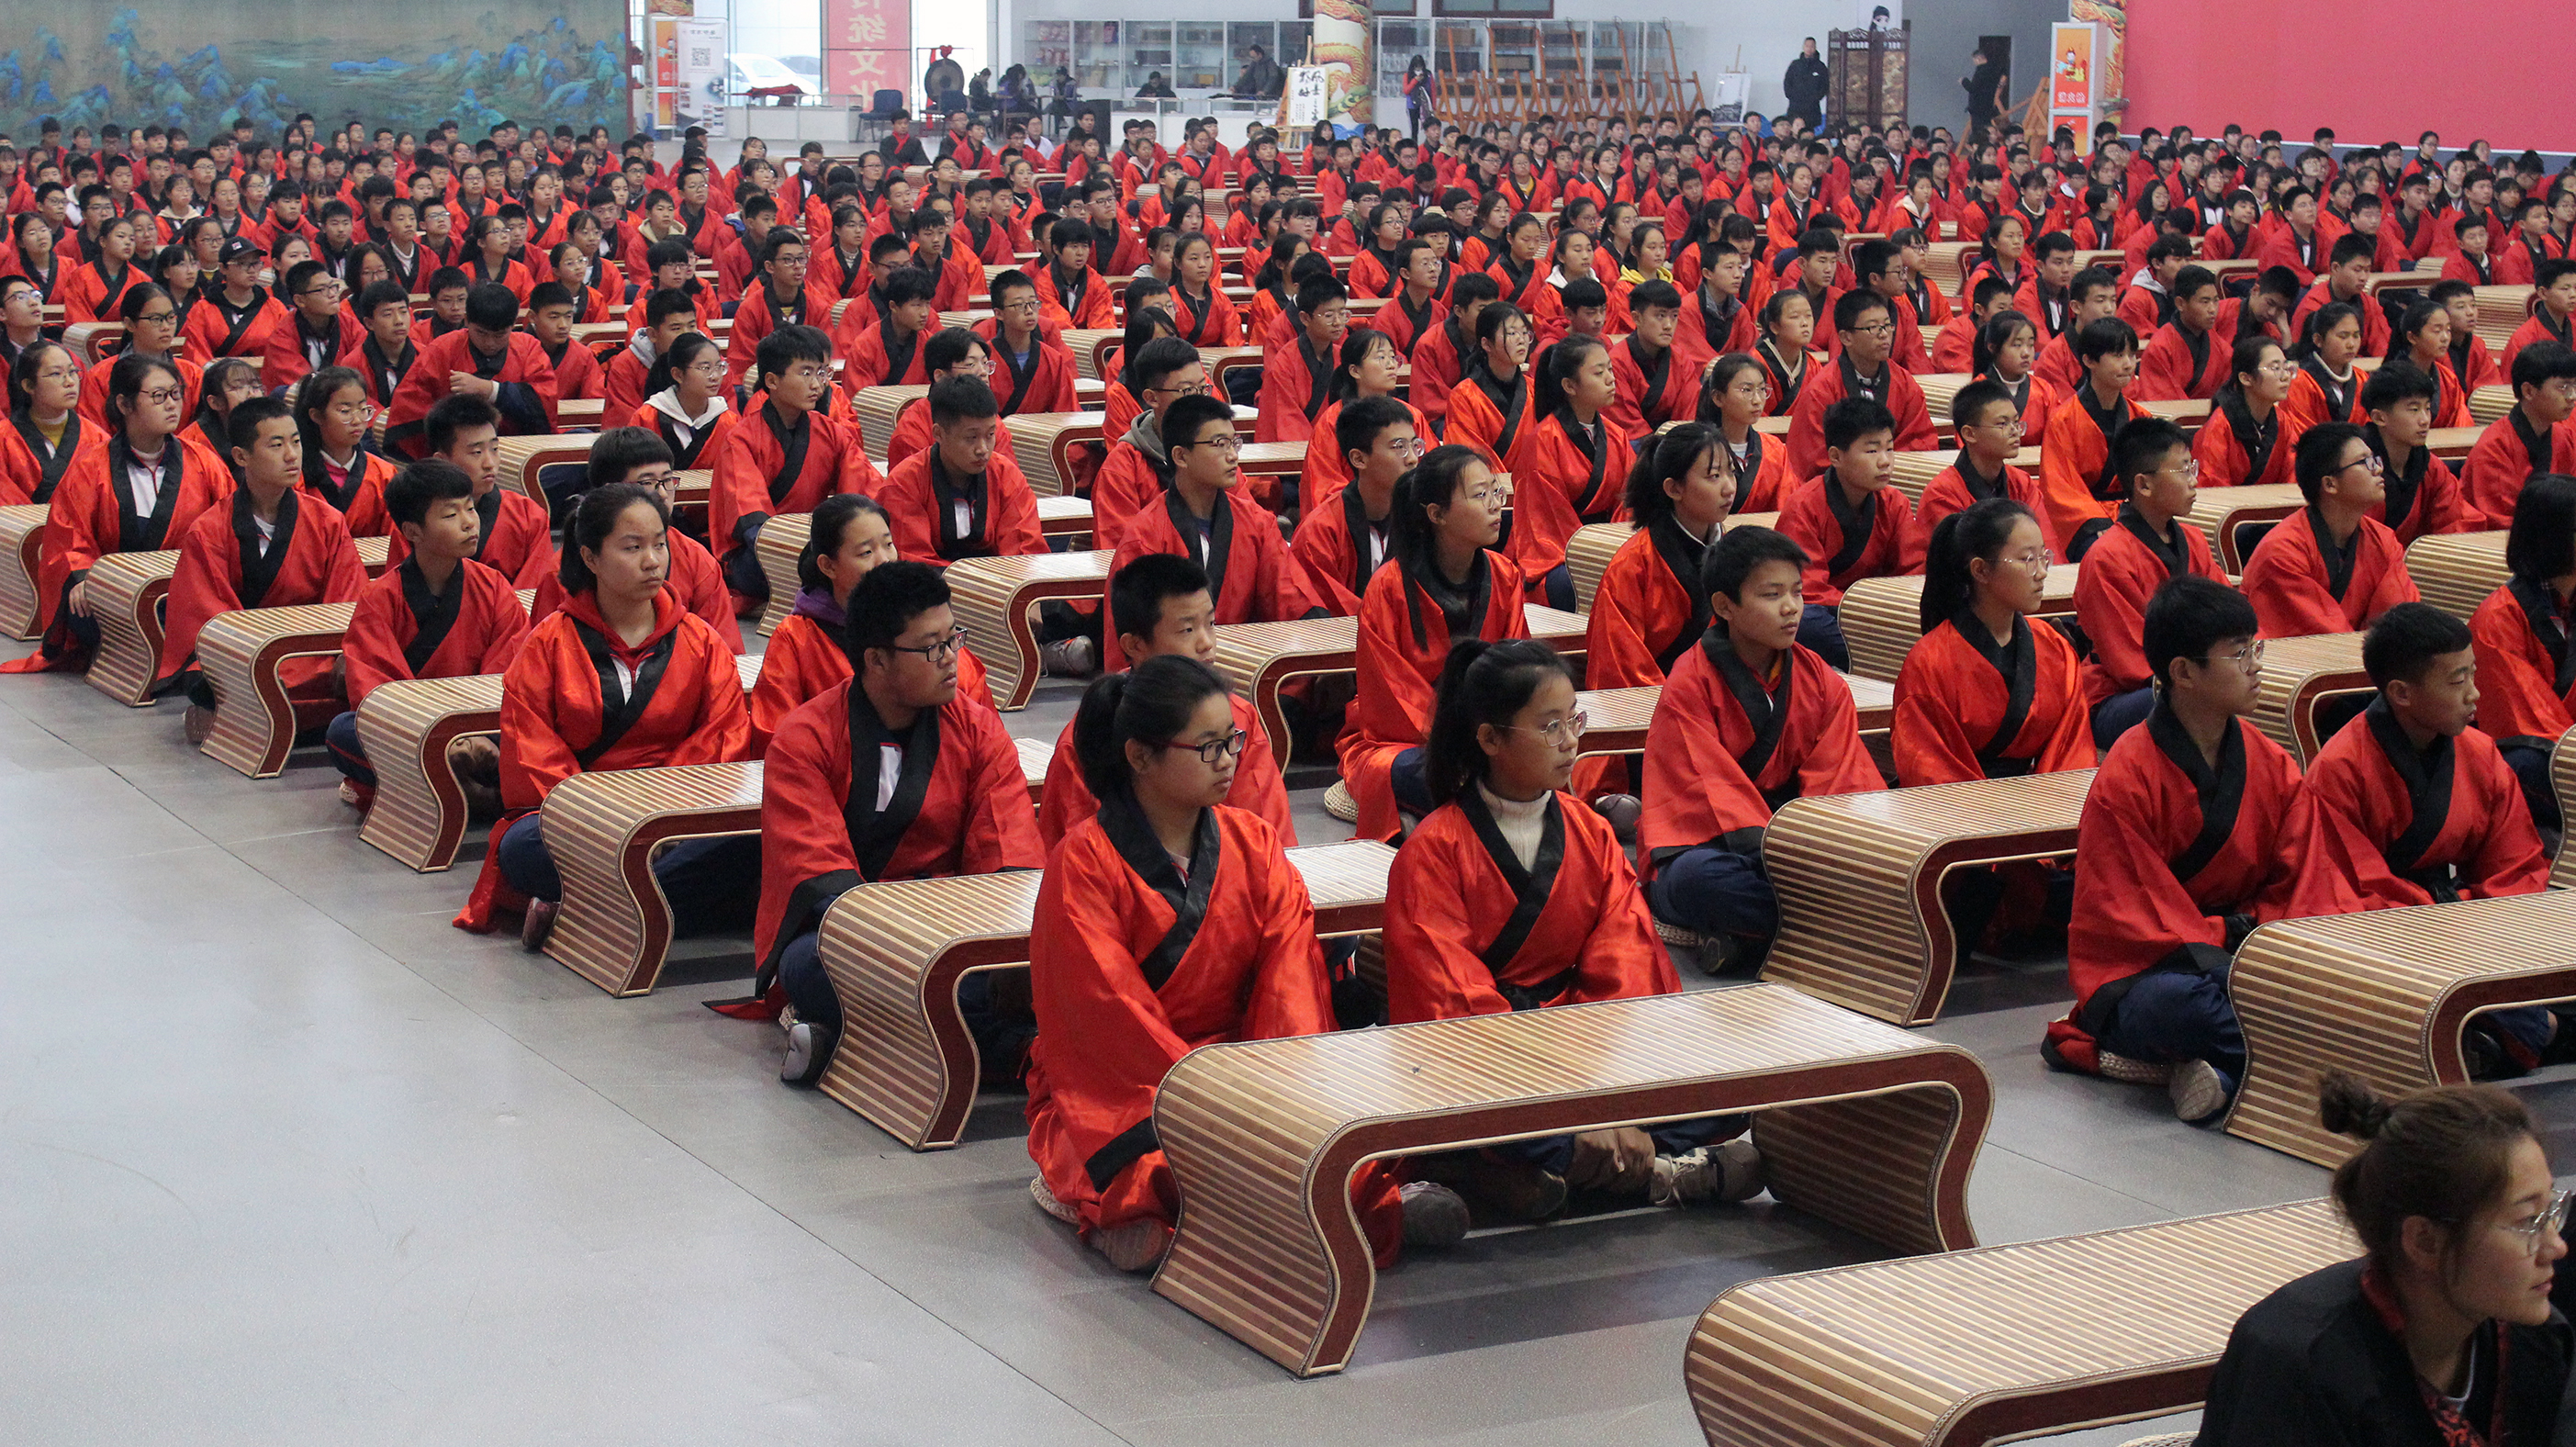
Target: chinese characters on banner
x=867 y=47
x=2073 y=92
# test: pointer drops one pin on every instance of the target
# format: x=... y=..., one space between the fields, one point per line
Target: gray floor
x=284 y=1158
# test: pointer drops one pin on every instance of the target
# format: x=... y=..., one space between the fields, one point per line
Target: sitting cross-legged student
x=959 y=497
x=270 y=548
x=437 y=614
x=1443 y=583
x=1168 y=920
x=1298 y=378
x=1495 y=407
x=2096 y=293
x=2187 y=842
x=2239 y=445
x=332 y=413
x=2186 y=358
x=2424 y=495
x=1735 y=394
x=2077 y=473
x=2332 y=568
x=1575 y=466
x=2534 y=435
x=515 y=538
x=687 y=407
x=2526 y=669
x=1851 y=520
x=623 y=676
x=1511 y=895
x=484 y=359
x=2409 y=804
x=2146 y=546
x=1747 y=721
x=1658 y=381
x=646 y=367
x=1204 y=514
x=1990 y=429
x=2443 y=1329
x=783 y=456
x=885 y=351
x=895 y=773
x=1370 y=366
x=2328 y=385
x=1139 y=467
x=1986 y=695
x=952 y=352
x=1342 y=539
x=1865 y=327
x=1161 y=604
x=631 y=454
x=779 y=297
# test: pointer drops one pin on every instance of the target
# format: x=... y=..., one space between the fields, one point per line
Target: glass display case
x=1148 y=49
x=1049 y=47
x=1199 y=55
x=1097 y=65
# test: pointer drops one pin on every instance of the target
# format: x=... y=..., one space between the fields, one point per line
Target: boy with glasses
x=2331 y=568
x=2146 y=547
x=1033 y=370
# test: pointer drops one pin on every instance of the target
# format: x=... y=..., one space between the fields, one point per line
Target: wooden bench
x=777 y=545
x=2299 y=676
x=240 y=653
x=2000 y=1343
x=2220 y=511
x=994 y=597
x=406 y=726
x=602 y=827
x=2453 y=444
x=1587 y=556
x=373 y=554
x=879 y=410
x=1868 y=1127
x=1914 y=471
x=1272 y=459
x=125 y=596
x=1882 y=622
x=1940 y=389
x=1043 y=442
x=2490 y=402
x=2501 y=312
x=1946 y=263
x=2384 y=994
x=2380 y=281
x=2562 y=783
x=525 y=461
x=22 y=538
x=1065 y=517
x=896 y=953
x=2456 y=572
x=1619 y=718
x=1859 y=882
x=1091 y=347
x=1258 y=659
x=1220 y=361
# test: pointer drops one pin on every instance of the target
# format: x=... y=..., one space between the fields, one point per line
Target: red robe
x=1955 y=695
x=359 y=498
x=88 y=520
x=1829 y=384
x=1087 y=309
x=94 y=384
x=805 y=657
x=87 y=295
x=2075 y=464
x=1044 y=384
x=1697 y=791
x=401 y=630
x=2315 y=398
x=2526 y=689
x=2169 y=370
x=210 y=332
x=1247 y=968
x=1294 y=384
x=1450 y=899
x=1705 y=335
x=873 y=356
x=1504 y=428
x=2428 y=498
x=1438 y=362
x=2292 y=590
x=1881 y=538
x=1327 y=546
x=1208 y=322
x=527 y=398
x=693 y=577
x=1407 y=327
x=1249 y=571
x=1648 y=610
x=2364 y=790
x=516 y=541
x=1327 y=470
x=1257 y=790
x=310 y=559
x=1404 y=639
x=30 y=469
x=2142 y=817
x=1954 y=349
x=1567 y=478
x=1650 y=395
x=752 y=477
x=2536 y=328
x=960 y=806
x=1951 y=492
x=1128 y=482
x=920 y=495
x=2125 y=567
x=2234 y=450
x=291 y=353
x=2505 y=457
x=384 y=375
x=692 y=448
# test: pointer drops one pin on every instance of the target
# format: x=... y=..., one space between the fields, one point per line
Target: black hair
x=2104 y=337
x=491 y=307
x=620 y=450
x=241 y=429
x=2397 y=380
x=955 y=399
x=830 y=523
x=455 y=413
x=2188 y=616
x=2325 y=319
x=910 y=284
x=2351 y=246
x=884 y=604
x=1189 y=415
x=2141 y=445
x=1136 y=594
x=543 y=295
x=2542 y=361
x=1971 y=401
x=2319 y=449
x=1991 y=338
x=2403 y=642
x=1729 y=563
x=1855 y=304
x=2541 y=548
x=1663 y=459
x=1480 y=683
x=949 y=347
x=592 y=522
x=1149 y=703
x=1433 y=482
x=1362 y=419
x=1159 y=359
x=787 y=346
x=409 y=494
x=1949 y=586
x=1855 y=417
x=382 y=294
x=1655 y=293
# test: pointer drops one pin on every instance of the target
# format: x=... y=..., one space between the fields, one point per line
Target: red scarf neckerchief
x=2455 y=1429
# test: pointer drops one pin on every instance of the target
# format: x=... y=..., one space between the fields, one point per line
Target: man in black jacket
x=1805 y=85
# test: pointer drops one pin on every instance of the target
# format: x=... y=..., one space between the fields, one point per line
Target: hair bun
x=2348 y=1106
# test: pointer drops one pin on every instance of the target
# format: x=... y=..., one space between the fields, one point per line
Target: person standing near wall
x=1985 y=87
x=1805 y=85
x=1417 y=94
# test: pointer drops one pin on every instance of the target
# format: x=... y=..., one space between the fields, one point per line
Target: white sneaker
x=1136 y=1246
x=1339 y=803
x=2130 y=1071
x=1727 y=1171
x=1069 y=658
x=1434 y=1215
x=1047 y=1202
x=2200 y=1091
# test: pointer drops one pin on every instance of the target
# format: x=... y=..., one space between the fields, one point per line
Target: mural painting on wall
x=2111 y=86
x=201 y=65
x=1341 y=41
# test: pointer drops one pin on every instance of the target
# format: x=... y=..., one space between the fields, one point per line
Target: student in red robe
x=2553 y=311
x=1511 y=895
x=1204 y=313
x=622 y=677
x=316 y=333
x=141 y=489
x=2410 y=805
x=2189 y=839
x=896 y=773
x=91 y=291
x=884 y=350
x=1576 y=465
x=438 y=614
x=2328 y=386
x=1370 y=366
x=332 y=413
x=1297 y=378
x=2332 y=568
x=633 y=455
x=1657 y=383
x=1650 y=606
x=2076 y=469
x=2534 y=436
x=2526 y=670
x=385 y=353
x=44 y=430
x=1987 y=695
x=1161 y=604
x=516 y=539
x=1851 y=520
x=484 y=359
x=959 y=497
x=779 y=296
x=151 y=322
x=687 y=410
x=1990 y=425
x=1204 y=515
x=1418 y=303
x=1735 y=394
x=2146 y=546
x=1716 y=319
x=1747 y=721
x=267 y=549
x=2186 y=358
x=2094 y=290
x=1955 y=345
x=240 y=312
x=2240 y=444
x=2424 y=495
x=784 y=457
x=2342 y=282
x=1445 y=583
x=1070 y=294
x=1032 y=371
x=1135 y=961
x=1139 y=466
x=1343 y=538
x=1440 y=357
x=1495 y=406
x=2005 y=354
x=1863 y=322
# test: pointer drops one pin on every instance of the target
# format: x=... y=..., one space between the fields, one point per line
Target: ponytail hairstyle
x=2401 y=337
x=1986 y=252
x=2443 y=1154
x=593 y=521
x=1778 y=306
x=1144 y=324
x=1721 y=375
x=831 y=527
x=1433 y=482
x=1964 y=537
x=1148 y=704
x=211 y=387
x=312 y=395
x=22 y=373
x=1283 y=255
x=2323 y=320
x=138 y=296
x=2541 y=548
x=1356 y=345
x=1994 y=336
x=1480 y=683
x=1559 y=366
x=1668 y=458
x=2245 y=361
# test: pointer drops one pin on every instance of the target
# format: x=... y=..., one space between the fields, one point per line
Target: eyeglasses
x=162 y=394
x=2038 y=562
x=158 y=317
x=2011 y=425
x=1230 y=444
x=2188 y=469
x=1023 y=307
x=2249 y=657
x=941 y=651
x=1877 y=329
x=2536 y=1230
x=2373 y=462
x=1230 y=746
x=1195 y=389
x=1558 y=731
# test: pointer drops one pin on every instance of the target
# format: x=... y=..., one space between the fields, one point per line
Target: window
x=1544 y=9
